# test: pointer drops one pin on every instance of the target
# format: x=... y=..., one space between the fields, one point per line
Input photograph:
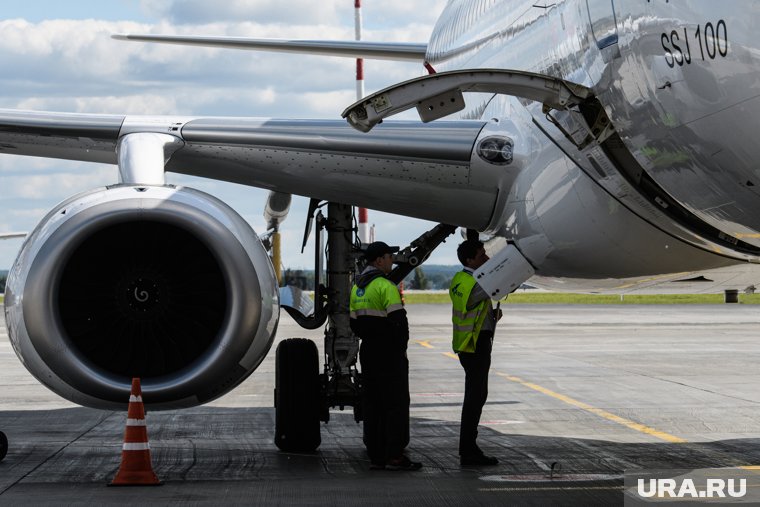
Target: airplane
x=596 y=145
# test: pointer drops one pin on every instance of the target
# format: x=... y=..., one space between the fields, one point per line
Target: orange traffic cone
x=136 y=468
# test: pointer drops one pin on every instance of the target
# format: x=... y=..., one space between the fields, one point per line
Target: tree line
x=433 y=277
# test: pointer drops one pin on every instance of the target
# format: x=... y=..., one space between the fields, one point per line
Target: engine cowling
x=163 y=283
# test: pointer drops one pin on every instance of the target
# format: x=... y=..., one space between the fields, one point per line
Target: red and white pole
x=365 y=235
x=359 y=61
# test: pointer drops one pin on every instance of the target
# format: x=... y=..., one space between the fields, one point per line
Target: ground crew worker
x=379 y=319
x=474 y=321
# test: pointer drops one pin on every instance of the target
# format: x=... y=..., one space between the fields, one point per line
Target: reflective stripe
x=136 y=446
x=465 y=316
x=379 y=297
x=467 y=323
x=352 y=315
x=133 y=398
x=370 y=312
x=135 y=422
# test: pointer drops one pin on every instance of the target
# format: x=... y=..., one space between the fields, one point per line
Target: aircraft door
x=601 y=15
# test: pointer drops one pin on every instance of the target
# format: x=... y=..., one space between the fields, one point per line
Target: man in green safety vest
x=378 y=317
x=474 y=322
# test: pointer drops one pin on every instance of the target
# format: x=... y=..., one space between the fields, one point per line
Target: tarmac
x=579 y=395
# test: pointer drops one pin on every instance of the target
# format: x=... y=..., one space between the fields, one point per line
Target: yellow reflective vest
x=467 y=323
x=379 y=298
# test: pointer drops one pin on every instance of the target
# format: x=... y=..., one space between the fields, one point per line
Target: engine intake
x=162 y=283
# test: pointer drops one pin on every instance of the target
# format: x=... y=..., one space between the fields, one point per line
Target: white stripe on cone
x=133 y=398
x=136 y=422
x=136 y=446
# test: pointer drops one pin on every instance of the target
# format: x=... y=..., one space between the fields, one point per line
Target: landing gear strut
x=302 y=396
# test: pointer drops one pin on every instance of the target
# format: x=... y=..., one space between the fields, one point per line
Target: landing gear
x=297 y=396
x=303 y=397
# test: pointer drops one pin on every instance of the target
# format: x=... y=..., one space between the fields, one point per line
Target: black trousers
x=385 y=379
x=476 y=365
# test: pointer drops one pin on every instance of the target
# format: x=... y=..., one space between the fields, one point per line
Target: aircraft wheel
x=3 y=445
x=297 y=396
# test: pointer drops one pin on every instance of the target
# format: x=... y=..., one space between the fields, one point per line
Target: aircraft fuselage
x=679 y=83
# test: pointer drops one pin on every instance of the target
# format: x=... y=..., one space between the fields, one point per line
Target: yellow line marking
x=450 y=354
x=425 y=344
x=597 y=411
x=751 y=467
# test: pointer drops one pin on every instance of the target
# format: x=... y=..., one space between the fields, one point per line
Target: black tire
x=297 y=397
x=3 y=445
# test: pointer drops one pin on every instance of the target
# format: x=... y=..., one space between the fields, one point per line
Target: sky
x=59 y=56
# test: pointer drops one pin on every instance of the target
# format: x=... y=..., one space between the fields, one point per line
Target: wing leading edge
x=70 y=136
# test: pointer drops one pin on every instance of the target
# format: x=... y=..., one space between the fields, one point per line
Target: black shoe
x=478 y=460
x=402 y=463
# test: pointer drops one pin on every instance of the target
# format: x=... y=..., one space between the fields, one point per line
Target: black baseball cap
x=378 y=249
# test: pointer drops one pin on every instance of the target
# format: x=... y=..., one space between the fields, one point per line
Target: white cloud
x=57 y=185
x=134 y=104
x=26 y=214
x=74 y=65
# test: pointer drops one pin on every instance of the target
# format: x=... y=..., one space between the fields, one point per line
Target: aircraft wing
x=70 y=136
x=227 y=317
x=408 y=168
x=413 y=52
x=12 y=235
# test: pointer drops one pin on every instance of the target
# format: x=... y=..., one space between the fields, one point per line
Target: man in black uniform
x=474 y=322
x=379 y=319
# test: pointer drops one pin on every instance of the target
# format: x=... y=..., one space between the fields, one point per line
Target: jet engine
x=163 y=283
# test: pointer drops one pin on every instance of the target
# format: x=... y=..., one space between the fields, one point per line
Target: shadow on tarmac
x=76 y=451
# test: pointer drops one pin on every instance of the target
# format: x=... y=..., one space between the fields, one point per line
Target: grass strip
x=557 y=298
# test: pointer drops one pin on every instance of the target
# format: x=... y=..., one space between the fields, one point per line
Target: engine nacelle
x=163 y=283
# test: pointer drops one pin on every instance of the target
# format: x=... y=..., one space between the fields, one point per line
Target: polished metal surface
x=276 y=209
x=142 y=157
x=397 y=51
x=49 y=349
x=437 y=91
x=676 y=79
x=444 y=141
x=87 y=137
x=417 y=170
